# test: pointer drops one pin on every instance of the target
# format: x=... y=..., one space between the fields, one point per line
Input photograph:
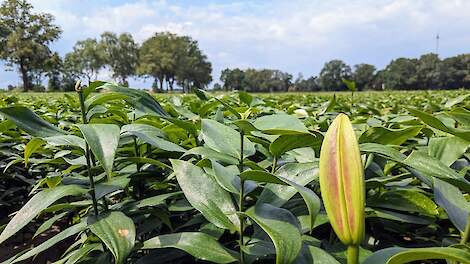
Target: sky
x=297 y=36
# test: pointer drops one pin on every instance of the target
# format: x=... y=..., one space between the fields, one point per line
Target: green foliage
x=25 y=37
x=228 y=177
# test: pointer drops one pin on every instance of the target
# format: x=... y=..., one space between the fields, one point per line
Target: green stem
x=273 y=167
x=353 y=254
x=352 y=101
x=87 y=153
x=466 y=233
x=137 y=153
x=241 y=200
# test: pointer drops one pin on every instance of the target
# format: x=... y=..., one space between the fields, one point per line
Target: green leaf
x=211 y=154
x=415 y=254
x=438 y=124
x=456 y=100
x=280 y=124
x=328 y=106
x=351 y=85
x=224 y=139
x=117 y=231
x=156 y=200
x=47 y=224
x=66 y=140
x=35 y=205
x=433 y=167
x=261 y=176
x=453 y=201
x=139 y=99
x=405 y=200
x=205 y=195
x=388 y=136
x=78 y=254
x=32 y=146
x=461 y=115
x=300 y=173
x=296 y=176
x=282 y=227
x=383 y=255
x=152 y=136
x=30 y=122
x=447 y=149
x=102 y=98
x=227 y=177
x=311 y=255
x=284 y=143
x=382 y=150
x=103 y=140
x=200 y=245
x=52 y=241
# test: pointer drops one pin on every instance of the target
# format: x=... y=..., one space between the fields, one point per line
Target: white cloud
x=296 y=35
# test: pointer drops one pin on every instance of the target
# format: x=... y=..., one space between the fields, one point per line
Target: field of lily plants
x=111 y=174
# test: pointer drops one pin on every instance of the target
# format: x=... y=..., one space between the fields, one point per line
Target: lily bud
x=342 y=181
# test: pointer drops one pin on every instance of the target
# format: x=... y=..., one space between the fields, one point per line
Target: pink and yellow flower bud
x=342 y=181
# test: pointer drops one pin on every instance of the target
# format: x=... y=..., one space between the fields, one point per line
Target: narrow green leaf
x=152 y=136
x=453 y=201
x=200 y=245
x=52 y=241
x=32 y=146
x=140 y=100
x=47 y=224
x=388 y=136
x=438 y=124
x=35 y=205
x=30 y=122
x=415 y=254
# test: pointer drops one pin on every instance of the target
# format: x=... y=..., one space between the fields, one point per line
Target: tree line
x=424 y=73
x=25 y=38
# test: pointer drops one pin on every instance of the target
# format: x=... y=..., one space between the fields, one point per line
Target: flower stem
x=87 y=149
x=241 y=200
x=353 y=254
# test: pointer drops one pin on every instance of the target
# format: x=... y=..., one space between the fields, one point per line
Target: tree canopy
x=25 y=37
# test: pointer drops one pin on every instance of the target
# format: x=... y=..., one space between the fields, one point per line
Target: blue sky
x=294 y=36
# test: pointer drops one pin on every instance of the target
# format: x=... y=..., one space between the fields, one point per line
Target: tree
x=193 y=68
x=25 y=38
x=86 y=59
x=157 y=58
x=309 y=84
x=233 y=79
x=363 y=75
x=121 y=55
x=54 y=71
x=332 y=75
x=169 y=58
x=428 y=71
x=401 y=74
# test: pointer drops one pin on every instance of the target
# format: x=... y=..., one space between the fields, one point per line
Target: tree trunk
x=172 y=81
x=161 y=84
x=25 y=77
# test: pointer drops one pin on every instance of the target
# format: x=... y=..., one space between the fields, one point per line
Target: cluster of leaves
x=128 y=178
